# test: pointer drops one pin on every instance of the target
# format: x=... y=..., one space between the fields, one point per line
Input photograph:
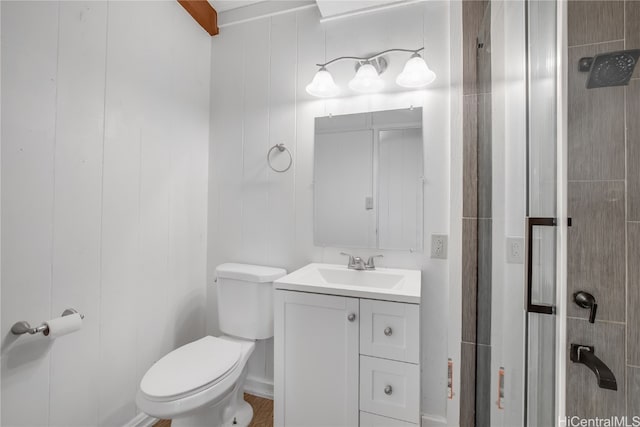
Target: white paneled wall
x=105 y=114
x=259 y=70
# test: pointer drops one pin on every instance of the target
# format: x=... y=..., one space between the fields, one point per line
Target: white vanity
x=347 y=347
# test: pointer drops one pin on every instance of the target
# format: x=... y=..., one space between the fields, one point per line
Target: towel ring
x=280 y=148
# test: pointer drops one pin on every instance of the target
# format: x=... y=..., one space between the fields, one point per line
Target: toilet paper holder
x=23 y=327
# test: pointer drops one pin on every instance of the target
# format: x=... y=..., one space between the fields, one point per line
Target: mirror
x=368 y=180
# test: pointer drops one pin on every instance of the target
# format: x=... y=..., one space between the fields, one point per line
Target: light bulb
x=322 y=85
x=416 y=73
x=366 y=79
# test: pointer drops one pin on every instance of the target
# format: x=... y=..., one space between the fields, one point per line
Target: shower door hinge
x=450 y=393
x=500 y=387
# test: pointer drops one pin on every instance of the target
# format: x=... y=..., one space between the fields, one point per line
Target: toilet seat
x=191 y=368
x=163 y=401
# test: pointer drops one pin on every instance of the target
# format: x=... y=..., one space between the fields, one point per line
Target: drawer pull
x=388 y=331
x=388 y=390
x=351 y=317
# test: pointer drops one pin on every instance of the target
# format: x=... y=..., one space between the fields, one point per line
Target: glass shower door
x=541 y=214
x=522 y=164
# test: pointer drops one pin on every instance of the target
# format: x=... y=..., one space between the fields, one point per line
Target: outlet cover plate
x=439 y=246
x=515 y=250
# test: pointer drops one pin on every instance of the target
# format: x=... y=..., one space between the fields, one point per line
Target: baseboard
x=260 y=387
x=141 y=420
x=433 y=421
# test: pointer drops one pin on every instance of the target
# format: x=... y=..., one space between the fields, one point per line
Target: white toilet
x=202 y=383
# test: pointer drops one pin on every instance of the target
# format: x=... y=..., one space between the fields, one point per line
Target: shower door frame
x=561 y=206
x=558 y=217
x=561 y=220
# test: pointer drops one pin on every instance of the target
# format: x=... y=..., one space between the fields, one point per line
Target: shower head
x=610 y=69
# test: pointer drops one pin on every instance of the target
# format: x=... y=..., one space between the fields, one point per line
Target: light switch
x=368 y=203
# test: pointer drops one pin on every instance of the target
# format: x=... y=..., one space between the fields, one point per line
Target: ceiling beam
x=203 y=13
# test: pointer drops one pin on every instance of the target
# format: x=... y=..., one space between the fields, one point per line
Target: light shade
x=416 y=73
x=322 y=85
x=366 y=79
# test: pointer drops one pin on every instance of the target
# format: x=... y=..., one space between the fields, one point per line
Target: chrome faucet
x=370 y=264
x=357 y=263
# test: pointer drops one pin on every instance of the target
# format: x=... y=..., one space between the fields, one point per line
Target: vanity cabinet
x=316 y=359
x=345 y=361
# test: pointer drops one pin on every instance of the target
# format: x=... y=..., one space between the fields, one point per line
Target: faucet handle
x=351 y=259
x=586 y=300
x=370 y=264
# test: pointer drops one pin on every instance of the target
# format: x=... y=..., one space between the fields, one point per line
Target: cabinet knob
x=388 y=390
x=388 y=331
x=351 y=317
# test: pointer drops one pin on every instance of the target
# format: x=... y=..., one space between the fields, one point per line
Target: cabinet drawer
x=390 y=330
x=390 y=388
x=372 y=420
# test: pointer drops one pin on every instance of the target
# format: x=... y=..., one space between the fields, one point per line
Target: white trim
x=141 y=420
x=454 y=323
x=433 y=421
x=261 y=387
x=261 y=10
x=370 y=10
x=561 y=271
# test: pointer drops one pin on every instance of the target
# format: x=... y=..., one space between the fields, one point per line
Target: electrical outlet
x=439 y=246
x=515 y=250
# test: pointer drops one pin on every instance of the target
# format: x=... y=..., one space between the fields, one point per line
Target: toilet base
x=216 y=406
x=211 y=417
x=243 y=416
x=230 y=411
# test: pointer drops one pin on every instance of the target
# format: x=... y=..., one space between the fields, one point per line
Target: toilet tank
x=245 y=299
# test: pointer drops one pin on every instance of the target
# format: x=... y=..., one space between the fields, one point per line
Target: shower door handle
x=533 y=222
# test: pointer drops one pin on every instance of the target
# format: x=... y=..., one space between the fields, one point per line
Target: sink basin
x=363 y=278
x=383 y=283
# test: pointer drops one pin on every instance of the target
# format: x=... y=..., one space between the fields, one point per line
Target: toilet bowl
x=202 y=383
x=199 y=384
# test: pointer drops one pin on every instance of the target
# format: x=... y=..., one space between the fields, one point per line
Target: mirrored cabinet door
x=368 y=180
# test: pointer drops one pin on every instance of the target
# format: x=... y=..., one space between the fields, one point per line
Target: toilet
x=202 y=383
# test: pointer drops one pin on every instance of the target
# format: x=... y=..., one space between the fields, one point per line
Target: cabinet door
x=316 y=360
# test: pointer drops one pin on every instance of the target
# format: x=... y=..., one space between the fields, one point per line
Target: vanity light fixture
x=416 y=74
x=323 y=85
x=367 y=79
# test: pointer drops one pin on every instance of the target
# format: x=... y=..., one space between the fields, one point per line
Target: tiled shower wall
x=604 y=203
x=476 y=221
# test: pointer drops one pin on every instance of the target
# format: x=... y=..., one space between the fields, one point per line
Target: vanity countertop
x=388 y=284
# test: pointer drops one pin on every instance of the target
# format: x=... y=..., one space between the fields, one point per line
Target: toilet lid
x=191 y=367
